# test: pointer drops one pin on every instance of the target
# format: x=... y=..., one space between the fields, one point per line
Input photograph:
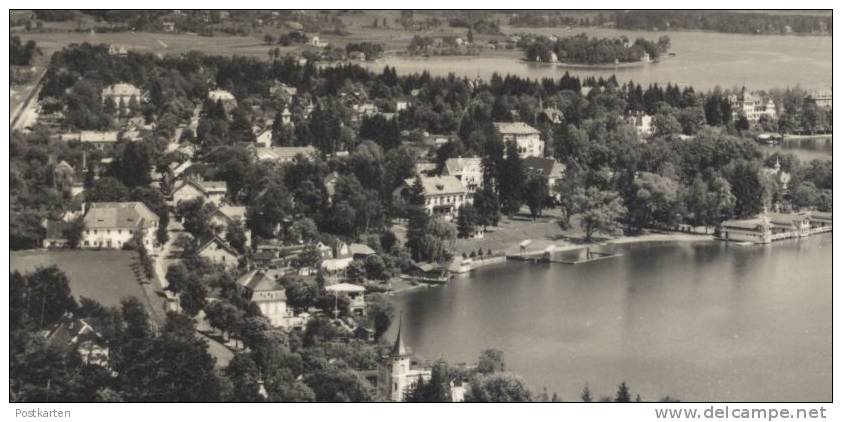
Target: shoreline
x=596 y=66
x=566 y=246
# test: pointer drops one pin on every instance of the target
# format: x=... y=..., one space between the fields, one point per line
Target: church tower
x=396 y=379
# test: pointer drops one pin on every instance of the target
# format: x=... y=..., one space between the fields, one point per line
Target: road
x=27 y=113
x=222 y=353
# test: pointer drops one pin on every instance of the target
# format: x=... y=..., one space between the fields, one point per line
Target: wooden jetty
x=546 y=256
x=589 y=257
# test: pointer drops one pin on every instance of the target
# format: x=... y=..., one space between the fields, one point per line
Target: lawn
x=511 y=231
x=105 y=276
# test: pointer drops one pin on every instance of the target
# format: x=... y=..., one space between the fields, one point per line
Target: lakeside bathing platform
x=548 y=254
x=770 y=227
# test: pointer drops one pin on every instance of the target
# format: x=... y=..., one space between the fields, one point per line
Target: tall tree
x=599 y=211
x=536 y=195
x=511 y=181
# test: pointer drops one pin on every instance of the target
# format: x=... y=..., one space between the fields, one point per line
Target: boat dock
x=590 y=257
x=546 y=256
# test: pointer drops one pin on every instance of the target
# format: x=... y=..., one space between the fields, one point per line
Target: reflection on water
x=701 y=322
x=805 y=149
x=703 y=60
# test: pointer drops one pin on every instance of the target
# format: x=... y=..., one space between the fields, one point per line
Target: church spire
x=399 y=350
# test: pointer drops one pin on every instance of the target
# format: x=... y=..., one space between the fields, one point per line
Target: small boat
x=768 y=138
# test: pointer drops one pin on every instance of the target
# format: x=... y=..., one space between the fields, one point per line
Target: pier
x=546 y=256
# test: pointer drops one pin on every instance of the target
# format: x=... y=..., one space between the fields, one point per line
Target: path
x=27 y=113
x=222 y=353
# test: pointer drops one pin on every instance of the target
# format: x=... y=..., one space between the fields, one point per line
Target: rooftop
x=206 y=187
x=262 y=281
x=221 y=243
x=345 y=287
x=458 y=165
x=119 y=215
x=749 y=223
x=439 y=185
x=91 y=136
x=121 y=90
x=282 y=153
x=360 y=249
x=220 y=94
x=540 y=165
x=515 y=128
x=233 y=212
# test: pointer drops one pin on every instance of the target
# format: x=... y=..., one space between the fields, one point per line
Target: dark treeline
x=554 y=18
x=21 y=54
x=724 y=21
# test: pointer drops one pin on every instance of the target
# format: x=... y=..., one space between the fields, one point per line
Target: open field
x=358 y=27
x=106 y=276
x=154 y=42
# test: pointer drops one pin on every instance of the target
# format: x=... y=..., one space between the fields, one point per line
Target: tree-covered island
x=581 y=49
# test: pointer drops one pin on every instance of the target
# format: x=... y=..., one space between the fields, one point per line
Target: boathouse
x=770 y=227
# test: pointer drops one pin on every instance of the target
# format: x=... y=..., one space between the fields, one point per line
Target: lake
x=699 y=321
x=702 y=60
x=805 y=149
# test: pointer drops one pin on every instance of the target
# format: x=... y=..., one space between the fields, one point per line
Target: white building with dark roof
x=751 y=106
x=468 y=170
x=548 y=168
x=229 y=102
x=112 y=224
x=270 y=296
x=355 y=294
x=283 y=154
x=527 y=138
x=101 y=140
x=81 y=335
x=190 y=189
x=219 y=252
x=443 y=195
x=225 y=215
x=122 y=92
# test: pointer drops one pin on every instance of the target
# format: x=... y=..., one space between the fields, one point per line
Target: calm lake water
x=703 y=60
x=805 y=149
x=705 y=321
